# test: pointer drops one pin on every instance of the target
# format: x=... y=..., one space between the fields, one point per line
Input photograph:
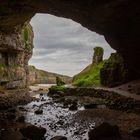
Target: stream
x=57 y=119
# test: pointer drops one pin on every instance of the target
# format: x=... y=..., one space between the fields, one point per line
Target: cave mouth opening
x=62 y=45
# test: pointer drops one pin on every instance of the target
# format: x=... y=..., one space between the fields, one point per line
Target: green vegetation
x=27 y=31
x=57 y=88
x=89 y=76
x=114 y=72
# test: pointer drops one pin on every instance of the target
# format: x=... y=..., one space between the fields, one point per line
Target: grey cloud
x=62 y=45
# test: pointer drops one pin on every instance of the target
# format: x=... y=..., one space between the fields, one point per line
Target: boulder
x=39 y=111
x=33 y=132
x=74 y=106
x=136 y=132
x=59 y=138
x=90 y=106
x=104 y=130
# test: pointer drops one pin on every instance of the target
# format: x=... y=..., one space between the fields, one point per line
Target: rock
x=73 y=107
x=98 y=55
x=22 y=109
x=59 y=138
x=13 y=85
x=104 y=130
x=43 y=99
x=33 y=132
x=11 y=116
x=39 y=111
x=56 y=96
x=12 y=110
x=59 y=81
x=90 y=106
x=114 y=72
x=41 y=94
x=136 y=132
x=60 y=122
x=21 y=119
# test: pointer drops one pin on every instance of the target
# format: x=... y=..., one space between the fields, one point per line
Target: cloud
x=62 y=45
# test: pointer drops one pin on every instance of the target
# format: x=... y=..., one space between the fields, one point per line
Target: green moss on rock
x=114 y=71
x=27 y=36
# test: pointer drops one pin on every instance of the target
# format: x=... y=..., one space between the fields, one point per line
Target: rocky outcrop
x=98 y=55
x=33 y=132
x=105 y=130
x=37 y=76
x=15 y=51
x=114 y=72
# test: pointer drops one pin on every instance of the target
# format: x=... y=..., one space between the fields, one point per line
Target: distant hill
x=37 y=76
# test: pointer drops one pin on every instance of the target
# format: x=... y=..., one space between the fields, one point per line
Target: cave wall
x=15 y=51
x=117 y=20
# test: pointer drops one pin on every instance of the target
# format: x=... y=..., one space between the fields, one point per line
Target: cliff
x=15 y=51
x=37 y=76
x=109 y=73
x=91 y=74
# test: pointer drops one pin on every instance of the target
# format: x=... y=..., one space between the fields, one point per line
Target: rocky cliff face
x=15 y=51
x=114 y=71
x=37 y=76
x=98 y=55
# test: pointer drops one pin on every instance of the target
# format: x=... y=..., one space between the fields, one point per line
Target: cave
x=117 y=20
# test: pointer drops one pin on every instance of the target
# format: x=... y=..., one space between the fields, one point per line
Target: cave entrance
x=63 y=46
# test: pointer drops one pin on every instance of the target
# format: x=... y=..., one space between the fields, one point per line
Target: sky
x=62 y=45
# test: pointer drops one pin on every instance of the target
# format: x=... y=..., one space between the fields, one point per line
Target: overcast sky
x=62 y=45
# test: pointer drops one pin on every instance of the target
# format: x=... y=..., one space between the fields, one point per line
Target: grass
x=89 y=76
x=57 y=88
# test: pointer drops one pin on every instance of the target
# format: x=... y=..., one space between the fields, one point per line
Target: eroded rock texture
x=15 y=51
x=114 y=71
x=117 y=20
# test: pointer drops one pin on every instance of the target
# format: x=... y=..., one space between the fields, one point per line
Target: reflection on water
x=56 y=119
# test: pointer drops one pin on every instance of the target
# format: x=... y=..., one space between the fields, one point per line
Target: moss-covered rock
x=27 y=34
x=59 y=81
x=114 y=71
